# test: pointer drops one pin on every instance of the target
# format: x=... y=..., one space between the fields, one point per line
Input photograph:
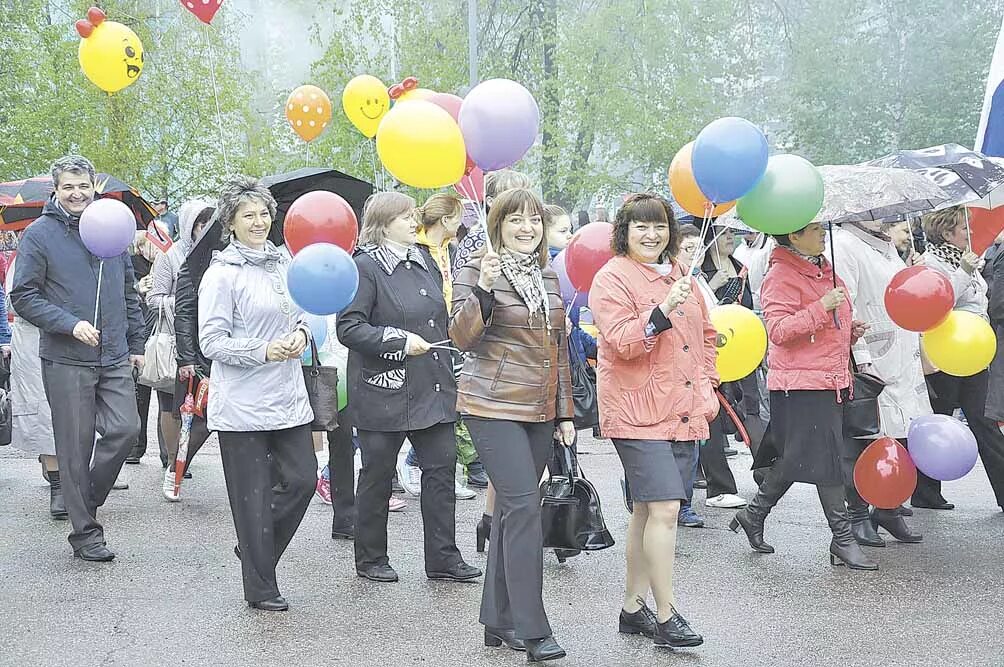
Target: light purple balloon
x=574 y=301
x=942 y=447
x=499 y=120
x=107 y=227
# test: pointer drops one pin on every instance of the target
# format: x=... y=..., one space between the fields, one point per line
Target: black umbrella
x=287 y=188
x=966 y=176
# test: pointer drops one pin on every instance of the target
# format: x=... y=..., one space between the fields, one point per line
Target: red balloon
x=919 y=298
x=320 y=217
x=472 y=185
x=450 y=103
x=205 y=10
x=885 y=475
x=589 y=249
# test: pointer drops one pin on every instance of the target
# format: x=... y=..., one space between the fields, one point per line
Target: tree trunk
x=547 y=13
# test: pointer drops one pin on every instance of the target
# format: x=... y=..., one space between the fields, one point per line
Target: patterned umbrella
x=22 y=201
x=187 y=416
x=966 y=176
x=855 y=193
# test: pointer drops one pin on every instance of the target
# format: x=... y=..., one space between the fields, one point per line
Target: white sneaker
x=460 y=485
x=726 y=501
x=168 y=489
x=410 y=478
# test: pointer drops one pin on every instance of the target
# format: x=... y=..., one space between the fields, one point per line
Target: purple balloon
x=499 y=119
x=107 y=228
x=574 y=301
x=942 y=447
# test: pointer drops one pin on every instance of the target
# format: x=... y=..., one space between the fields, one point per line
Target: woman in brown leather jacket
x=514 y=392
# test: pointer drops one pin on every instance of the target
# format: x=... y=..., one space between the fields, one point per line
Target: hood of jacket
x=189 y=211
x=57 y=212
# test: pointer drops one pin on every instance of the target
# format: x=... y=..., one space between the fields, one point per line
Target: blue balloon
x=322 y=279
x=318 y=328
x=730 y=156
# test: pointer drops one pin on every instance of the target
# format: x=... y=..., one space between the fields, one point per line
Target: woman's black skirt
x=805 y=436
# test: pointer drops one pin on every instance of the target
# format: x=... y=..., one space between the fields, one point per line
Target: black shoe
x=701 y=484
x=381 y=573
x=97 y=553
x=135 y=455
x=458 y=572
x=539 y=650
x=862 y=528
x=676 y=633
x=278 y=603
x=904 y=510
x=476 y=475
x=753 y=530
x=346 y=532
x=483 y=532
x=895 y=525
x=237 y=551
x=641 y=622
x=844 y=549
x=924 y=505
x=564 y=554
x=495 y=637
x=188 y=474
x=57 y=507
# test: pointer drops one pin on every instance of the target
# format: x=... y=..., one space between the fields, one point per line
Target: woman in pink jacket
x=656 y=386
x=809 y=325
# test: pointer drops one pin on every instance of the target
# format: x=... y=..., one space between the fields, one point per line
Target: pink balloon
x=472 y=185
x=450 y=103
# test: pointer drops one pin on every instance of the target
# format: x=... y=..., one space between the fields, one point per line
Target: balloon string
x=308 y=154
x=705 y=223
x=373 y=165
x=97 y=297
x=216 y=96
x=969 y=233
x=483 y=208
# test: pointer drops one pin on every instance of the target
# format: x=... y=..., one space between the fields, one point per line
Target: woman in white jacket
x=867 y=260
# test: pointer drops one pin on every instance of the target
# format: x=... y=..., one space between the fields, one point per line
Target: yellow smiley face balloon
x=741 y=342
x=110 y=53
x=366 y=102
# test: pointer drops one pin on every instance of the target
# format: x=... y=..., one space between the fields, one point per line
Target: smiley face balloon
x=111 y=54
x=741 y=341
x=366 y=102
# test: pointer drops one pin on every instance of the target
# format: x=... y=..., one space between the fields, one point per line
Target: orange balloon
x=684 y=186
x=308 y=111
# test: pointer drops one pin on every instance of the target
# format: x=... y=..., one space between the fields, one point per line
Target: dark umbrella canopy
x=22 y=201
x=287 y=188
x=965 y=176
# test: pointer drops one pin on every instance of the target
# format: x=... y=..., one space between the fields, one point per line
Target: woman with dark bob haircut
x=656 y=387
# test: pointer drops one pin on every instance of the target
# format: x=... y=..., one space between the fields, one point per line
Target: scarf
x=524 y=274
x=947 y=253
x=816 y=260
x=261 y=257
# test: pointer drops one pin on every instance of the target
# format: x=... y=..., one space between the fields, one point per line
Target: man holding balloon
x=74 y=281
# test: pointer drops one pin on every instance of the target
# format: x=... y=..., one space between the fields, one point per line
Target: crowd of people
x=459 y=344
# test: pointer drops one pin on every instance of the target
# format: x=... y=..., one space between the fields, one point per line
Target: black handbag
x=322 y=390
x=6 y=412
x=570 y=514
x=861 y=413
x=587 y=414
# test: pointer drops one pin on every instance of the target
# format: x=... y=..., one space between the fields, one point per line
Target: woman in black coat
x=401 y=380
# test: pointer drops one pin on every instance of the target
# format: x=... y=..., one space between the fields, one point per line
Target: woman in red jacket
x=656 y=391
x=809 y=325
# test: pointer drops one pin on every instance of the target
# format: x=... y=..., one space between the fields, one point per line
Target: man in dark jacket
x=86 y=368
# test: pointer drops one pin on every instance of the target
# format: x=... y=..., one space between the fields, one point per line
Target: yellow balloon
x=421 y=145
x=742 y=341
x=963 y=345
x=365 y=102
x=416 y=94
x=111 y=56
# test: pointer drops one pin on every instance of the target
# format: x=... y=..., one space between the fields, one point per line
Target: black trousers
x=436 y=448
x=266 y=517
x=341 y=466
x=86 y=400
x=969 y=393
x=714 y=462
x=514 y=454
x=143 y=398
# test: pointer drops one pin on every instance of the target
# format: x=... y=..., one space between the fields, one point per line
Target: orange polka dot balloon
x=308 y=111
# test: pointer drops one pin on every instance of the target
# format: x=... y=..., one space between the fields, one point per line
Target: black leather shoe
x=97 y=553
x=943 y=505
x=278 y=603
x=476 y=475
x=57 y=506
x=895 y=525
x=539 y=650
x=904 y=510
x=458 y=572
x=495 y=637
x=188 y=474
x=676 y=633
x=641 y=622
x=346 y=532
x=483 y=532
x=381 y=573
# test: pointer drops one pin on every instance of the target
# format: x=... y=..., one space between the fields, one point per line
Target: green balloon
x=786 y=199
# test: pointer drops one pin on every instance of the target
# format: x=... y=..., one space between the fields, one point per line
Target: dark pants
x=970 y=394
x=514 y=454
x=143 y=397
x=436 y=447
x=715 y=464
x=341 y=467
x=266 y=517
x=86 y=400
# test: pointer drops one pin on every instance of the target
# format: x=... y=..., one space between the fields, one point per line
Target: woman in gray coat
x=249 y=327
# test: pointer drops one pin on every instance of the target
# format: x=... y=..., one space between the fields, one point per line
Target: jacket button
x=685 y=419
x=435 y=355
x=680 y=313
x=688 y=383
x=437 y=387
x=407 y=265
x=432 y=323
x=423 y=292
x=686 y=348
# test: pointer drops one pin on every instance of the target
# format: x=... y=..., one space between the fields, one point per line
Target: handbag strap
x=314 y=363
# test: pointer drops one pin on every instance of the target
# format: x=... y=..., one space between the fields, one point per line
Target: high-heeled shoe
x=484 y=531
x=539 y=650
x=495 y=637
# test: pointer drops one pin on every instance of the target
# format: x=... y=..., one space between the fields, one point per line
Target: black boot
x=844 y=550
x=57 y=508
x=895 y=525
x=861 y=527
x=751 y=518
x=484 y=532
x=539 y=650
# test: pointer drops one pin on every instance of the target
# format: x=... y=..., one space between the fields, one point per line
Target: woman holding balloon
x=250 y=328
x=808 y=318
x=402 y=385
x=656 y=383
x=948 y=252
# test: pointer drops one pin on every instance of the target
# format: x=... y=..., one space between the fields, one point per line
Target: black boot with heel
x=752 y=518
x=844 y=549
x=57 y=507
